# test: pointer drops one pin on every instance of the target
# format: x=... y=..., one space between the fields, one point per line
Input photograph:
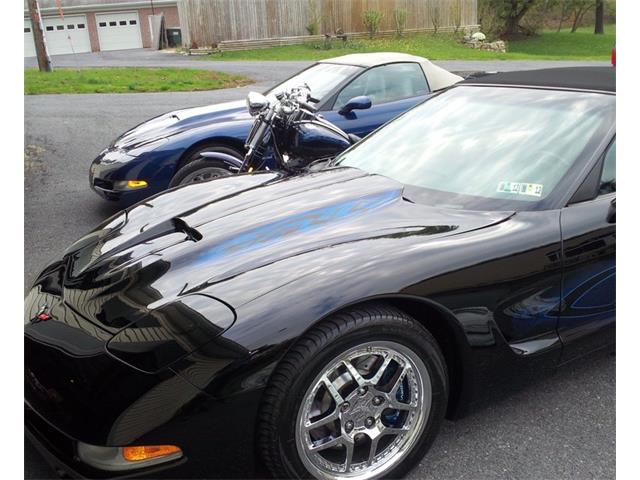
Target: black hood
x=188 y=239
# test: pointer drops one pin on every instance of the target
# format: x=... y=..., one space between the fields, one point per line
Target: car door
x=588 y=310
x=392 y=88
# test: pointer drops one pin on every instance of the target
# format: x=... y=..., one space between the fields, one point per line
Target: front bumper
x=59 y=451
x=112 y=166
x=76 y=392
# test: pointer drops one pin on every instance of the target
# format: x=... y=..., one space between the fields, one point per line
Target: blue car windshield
x=321 y=78
x=476 y=147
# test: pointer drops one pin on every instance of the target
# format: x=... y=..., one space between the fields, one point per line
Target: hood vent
x=181 y=226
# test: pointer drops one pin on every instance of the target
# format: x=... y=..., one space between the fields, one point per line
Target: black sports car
x=324 y=324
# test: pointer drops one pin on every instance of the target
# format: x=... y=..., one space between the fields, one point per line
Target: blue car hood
x=178 y=121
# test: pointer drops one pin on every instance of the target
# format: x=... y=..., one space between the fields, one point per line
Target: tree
x=566 y=9
x=400 y=20
x=435 y=16
x=580 y=7
x=455 y=11
x=510 y=13
x=599 y=28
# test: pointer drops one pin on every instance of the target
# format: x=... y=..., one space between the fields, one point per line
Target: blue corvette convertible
x=148 y=158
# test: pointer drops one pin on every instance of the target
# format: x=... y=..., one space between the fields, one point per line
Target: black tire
x=319 y=347
x=208 y=168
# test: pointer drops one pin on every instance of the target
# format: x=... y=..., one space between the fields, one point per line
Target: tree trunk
x=563 y=16
x=599 y=29
x=576 y=21
x=513 y=18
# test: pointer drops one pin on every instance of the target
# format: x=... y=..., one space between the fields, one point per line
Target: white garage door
x=29 y=46
x=68 y=35
x=119 y=31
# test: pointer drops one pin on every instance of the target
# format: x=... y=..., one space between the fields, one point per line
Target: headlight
x=256 y=102
x=170 y=332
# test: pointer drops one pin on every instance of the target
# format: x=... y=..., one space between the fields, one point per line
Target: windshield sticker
x=533 y=189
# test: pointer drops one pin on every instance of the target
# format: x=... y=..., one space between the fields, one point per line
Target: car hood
x=177 y=121
x=188 y=239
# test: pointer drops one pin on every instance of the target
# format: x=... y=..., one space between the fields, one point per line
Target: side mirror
x=611 y=214
x=256 y=102
x=356 y=103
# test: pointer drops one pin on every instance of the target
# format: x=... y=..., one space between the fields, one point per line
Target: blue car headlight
x=168 y=333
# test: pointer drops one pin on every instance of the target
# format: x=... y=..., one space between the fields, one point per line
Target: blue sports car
x=149 y=158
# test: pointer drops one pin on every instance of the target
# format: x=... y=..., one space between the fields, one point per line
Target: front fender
x=223 y=157
x=229 y=133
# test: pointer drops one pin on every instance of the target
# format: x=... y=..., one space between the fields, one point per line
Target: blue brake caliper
x=393 y=416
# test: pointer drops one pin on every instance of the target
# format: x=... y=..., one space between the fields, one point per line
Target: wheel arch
x=220 y=140
x=441 y=323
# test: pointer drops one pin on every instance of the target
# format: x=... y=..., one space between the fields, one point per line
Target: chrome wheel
x=364 y=412
x=204 y=175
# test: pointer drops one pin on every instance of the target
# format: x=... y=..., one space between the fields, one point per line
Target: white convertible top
x=437 y=77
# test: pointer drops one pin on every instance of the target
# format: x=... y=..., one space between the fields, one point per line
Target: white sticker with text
x=519 y=188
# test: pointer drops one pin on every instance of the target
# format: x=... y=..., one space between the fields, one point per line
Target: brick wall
x=171 y=20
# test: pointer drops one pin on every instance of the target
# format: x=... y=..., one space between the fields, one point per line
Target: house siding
x=91 y=7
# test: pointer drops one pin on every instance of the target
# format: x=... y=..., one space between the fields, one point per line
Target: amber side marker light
x=120 y=459
x=130 y=184
x=148 y=452
x=136 y=184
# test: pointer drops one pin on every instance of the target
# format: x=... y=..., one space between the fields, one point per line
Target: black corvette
x=324 y=324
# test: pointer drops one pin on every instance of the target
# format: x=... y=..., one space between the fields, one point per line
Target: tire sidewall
x=196 y=162
x=424 y=349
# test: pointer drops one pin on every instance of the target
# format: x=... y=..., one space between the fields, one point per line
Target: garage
x=63 y=35
x=119 y=31
x=29 y=46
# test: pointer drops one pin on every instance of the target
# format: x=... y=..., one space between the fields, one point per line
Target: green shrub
x=371 y=20
x=400 y=20
x=313 y=27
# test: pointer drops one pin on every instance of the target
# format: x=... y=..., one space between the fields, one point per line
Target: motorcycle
x=288 y=134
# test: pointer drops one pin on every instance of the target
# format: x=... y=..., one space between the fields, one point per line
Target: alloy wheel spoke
x=372 y=451
x=334 y=442
x=398 y=382
x=396 y=405
x=394 y=431
x=349 y=458
x=323 y=421
x=376 y=378
x=333 y=391
x=354 y=373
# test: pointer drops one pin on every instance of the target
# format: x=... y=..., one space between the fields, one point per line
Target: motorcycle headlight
x=256 y=102
x=170 y=332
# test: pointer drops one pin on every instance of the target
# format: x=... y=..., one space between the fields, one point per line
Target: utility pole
x=44 y=61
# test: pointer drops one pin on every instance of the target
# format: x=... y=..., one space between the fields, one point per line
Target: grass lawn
x=127 y=80
x=549 y=45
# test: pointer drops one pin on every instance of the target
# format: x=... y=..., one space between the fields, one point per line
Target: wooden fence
x=207 y=23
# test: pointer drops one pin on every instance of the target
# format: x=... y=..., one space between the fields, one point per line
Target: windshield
x=321 y=78
x=478 y=147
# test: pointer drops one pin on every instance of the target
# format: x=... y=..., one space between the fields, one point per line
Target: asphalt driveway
x=561 y=427
x=266 y=72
